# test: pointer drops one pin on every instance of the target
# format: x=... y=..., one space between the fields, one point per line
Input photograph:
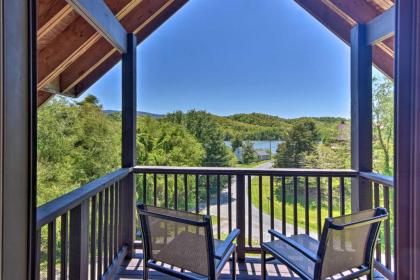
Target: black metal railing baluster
x=52 y=250
x=295 y=202
x=283 y=204
x=230 y=202
x=176 y=191
x=342 y=196
x=376 y=203
x=154 y=189
x=387 y=230
x=197 y=195
x=111 y=225
x=93 y=214
x=218 y=205
x=208 y=194
x=64 y=236
x=249 y=210
x=260 y=205
x=330 y=197
x=306 y=205
x=166 y=191
x=100 y=235
x=144 y=188
x=318 y=205
x=272 y=204
x=185 y=192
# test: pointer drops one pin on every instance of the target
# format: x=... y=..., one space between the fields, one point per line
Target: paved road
x=254 y=210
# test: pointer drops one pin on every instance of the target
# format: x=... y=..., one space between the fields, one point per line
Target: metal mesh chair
x=183 y=240
x=346 y=246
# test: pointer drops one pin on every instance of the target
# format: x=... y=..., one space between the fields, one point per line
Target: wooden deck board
x=251 y=269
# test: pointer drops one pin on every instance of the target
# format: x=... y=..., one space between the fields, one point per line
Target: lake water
x=262 y=145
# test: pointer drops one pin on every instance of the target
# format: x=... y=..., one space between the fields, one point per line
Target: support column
x=17 y=138
x=361 y=116
x=407 y=135
x=129 y=115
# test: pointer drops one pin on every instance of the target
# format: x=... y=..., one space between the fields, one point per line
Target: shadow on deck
x=251 y=269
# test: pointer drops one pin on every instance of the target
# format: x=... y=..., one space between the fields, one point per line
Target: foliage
x=236 y=143
x=202 y=125
x=300 y=142
x=248 y=152
x=329 y=156
x=383 y=124
x=166 y=144
x=77 y=143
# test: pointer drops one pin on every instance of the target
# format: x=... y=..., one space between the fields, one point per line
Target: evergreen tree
x=300 y=141
x=248 y=152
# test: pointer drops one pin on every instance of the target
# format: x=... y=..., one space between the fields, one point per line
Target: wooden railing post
x=240 y=215
x=361 y=116
x=129 y=115
x=78 y=247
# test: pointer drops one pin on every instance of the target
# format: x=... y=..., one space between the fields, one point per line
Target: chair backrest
x=181 y=239
x=347 y=242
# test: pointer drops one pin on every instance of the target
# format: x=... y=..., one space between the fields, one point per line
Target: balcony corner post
x=129 y=115
x=240 y=216
x=361 y=116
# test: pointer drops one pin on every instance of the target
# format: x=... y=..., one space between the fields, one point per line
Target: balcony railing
x=254 y=200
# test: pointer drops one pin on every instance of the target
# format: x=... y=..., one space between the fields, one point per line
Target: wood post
x=240 y=216
x=17 y=138
x=407 y=135
x=78 y=248
x=361 y=116
x=129 y=116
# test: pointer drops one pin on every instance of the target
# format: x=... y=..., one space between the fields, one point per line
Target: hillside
x=258 y=126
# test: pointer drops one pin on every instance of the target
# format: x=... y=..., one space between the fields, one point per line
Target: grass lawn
x=312 y=204
x=301 y=202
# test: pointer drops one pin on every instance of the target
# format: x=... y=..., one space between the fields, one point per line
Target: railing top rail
x=246 y=171
x=378 y=178
x=57 y=207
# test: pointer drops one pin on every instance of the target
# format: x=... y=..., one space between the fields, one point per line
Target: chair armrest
x=298 y=247
x=221 y=251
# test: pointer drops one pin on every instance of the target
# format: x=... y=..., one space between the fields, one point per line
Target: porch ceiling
x=72 y=55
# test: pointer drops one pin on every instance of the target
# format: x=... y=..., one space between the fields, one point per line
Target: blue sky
x=239 y=56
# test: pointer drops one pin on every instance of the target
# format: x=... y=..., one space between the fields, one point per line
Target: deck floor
x=251 y=269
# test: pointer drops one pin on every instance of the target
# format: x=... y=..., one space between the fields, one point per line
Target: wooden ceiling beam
x=98 y=14
x=359 y=11
x=71 y=44
x=142 y=32
x=88 y=62
x=331 y=20
x=341 y=27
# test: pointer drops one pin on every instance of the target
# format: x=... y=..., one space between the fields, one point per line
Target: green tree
x=205 y=129
x=166 y=144
x=248 y=152
x=300 y=142
x=236 y=142
x=383 y=124
x=77 y=143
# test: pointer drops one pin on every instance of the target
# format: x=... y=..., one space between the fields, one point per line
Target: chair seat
x=286 y=253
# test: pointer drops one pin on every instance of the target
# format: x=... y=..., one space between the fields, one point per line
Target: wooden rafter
x=96 y=56
x=141 y=34
x=97 y=13
x=71 y=44
x=149 y=13
x=340 y=26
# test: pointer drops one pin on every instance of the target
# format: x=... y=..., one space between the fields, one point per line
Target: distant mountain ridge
x=139 y=113
x=252 y=126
